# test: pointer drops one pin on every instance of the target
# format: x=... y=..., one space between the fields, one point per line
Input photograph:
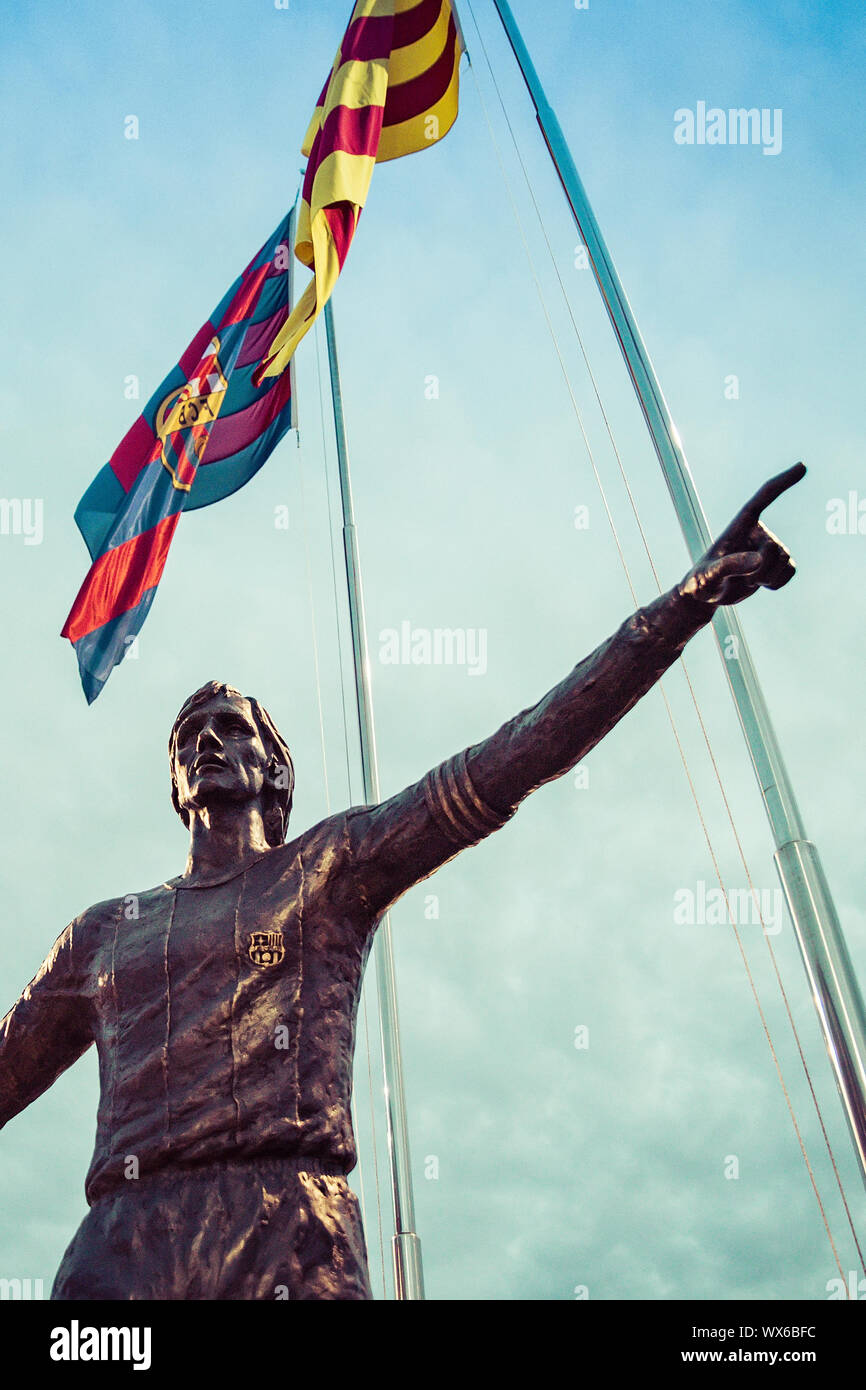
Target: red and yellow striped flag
x=393 y=90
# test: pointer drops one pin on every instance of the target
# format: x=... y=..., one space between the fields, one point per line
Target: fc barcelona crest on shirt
x=266 y=947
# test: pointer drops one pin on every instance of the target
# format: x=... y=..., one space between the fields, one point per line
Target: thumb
x=734 y=566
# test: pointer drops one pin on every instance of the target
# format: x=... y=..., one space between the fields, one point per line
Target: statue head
x=224 y=747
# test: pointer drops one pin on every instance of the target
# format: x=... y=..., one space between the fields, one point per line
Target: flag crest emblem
x=191 y=408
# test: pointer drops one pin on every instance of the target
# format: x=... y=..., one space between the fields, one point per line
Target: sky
x=594 y=1109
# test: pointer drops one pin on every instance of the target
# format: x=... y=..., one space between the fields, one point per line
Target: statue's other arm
x=47 y=1030
x=406 y=838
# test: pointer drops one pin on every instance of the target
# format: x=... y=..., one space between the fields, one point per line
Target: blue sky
x=558 y=1168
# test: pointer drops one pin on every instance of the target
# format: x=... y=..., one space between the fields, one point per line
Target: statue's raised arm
x=544 y=742
x=471 y=795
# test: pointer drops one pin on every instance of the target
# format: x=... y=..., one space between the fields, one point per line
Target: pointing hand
x=746 y=557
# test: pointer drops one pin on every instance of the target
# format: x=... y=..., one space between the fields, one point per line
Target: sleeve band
x=455 y=805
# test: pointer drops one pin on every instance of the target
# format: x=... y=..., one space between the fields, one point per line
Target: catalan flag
x=202 y=435
x=393 y=90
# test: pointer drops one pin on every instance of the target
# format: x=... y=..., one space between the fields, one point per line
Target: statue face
x=219 y=755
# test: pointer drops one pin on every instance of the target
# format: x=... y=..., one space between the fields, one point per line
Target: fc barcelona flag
x=201 y=436
x=393 y=90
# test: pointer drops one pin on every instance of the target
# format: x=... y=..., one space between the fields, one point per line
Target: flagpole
x=835 y=991
x=406 y=1246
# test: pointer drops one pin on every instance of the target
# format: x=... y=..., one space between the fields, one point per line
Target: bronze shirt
x=224 y=1017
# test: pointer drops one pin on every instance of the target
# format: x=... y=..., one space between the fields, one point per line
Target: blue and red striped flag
x=202 y=435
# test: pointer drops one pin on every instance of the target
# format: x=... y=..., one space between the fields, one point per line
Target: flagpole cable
x=364 y=1007
x=682 y=661
x=671 y=718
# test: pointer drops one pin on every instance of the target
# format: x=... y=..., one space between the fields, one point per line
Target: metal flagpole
x=406 y=1246
x=834 y=987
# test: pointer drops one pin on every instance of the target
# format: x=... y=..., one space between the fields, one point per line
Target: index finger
x=772 y=489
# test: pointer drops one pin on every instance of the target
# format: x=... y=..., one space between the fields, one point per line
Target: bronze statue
x=223 y=1002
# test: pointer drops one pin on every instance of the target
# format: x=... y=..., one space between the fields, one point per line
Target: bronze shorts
x=246 y=1229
